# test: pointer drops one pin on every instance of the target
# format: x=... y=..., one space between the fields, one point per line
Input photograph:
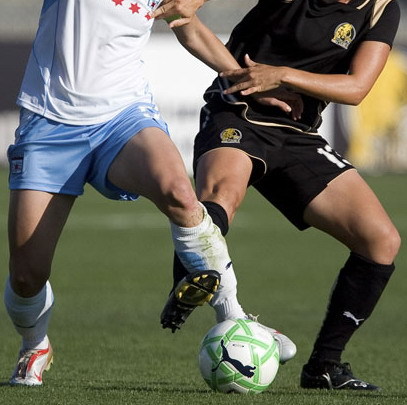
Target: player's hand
x=184 y=9
x=255 y=78
x=286 y=100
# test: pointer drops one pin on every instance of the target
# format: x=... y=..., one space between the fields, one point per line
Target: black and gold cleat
x=333 y=375
x=193 y=290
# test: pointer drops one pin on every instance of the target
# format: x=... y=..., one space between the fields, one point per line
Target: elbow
x=355 y=101
x=355 y=97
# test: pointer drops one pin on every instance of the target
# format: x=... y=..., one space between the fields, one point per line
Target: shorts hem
x=45 y=188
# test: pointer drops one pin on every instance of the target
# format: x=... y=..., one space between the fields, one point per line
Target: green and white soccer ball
x=238 y=356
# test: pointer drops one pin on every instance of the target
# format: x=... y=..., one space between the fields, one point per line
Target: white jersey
x=85 y=66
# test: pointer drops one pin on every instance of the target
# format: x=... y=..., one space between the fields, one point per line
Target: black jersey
x=318 y=36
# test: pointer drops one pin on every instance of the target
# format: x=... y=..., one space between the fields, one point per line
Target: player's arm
x=201 y=42
x=178 y=11
x=366 y=66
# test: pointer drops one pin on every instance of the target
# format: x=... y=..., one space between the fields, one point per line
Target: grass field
x=111 y=275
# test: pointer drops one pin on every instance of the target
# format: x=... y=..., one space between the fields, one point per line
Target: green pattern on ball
x=226 y=373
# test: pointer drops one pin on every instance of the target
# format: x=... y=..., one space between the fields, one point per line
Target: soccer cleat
x=193 y=290
x=286 y=346
x=333 y=375
x=31 y=364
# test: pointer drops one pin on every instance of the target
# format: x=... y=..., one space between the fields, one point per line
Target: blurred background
x=372 y=136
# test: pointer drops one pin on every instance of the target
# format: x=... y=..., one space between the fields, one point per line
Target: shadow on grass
x=168 y=388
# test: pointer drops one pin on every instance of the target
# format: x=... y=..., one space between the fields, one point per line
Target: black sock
x=358 y=288
x=219 y=218
x=218 y=215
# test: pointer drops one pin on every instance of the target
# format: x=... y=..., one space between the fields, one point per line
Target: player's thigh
x=222 y=176
x=349 y=210
x=36 y=220
x=151 y=165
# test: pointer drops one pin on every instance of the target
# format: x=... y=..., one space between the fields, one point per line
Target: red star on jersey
x=134 y=8
x=118 y=2
x=148 y=17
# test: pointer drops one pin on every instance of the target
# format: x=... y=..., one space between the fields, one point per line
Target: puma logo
x=247 y=371
x=351 y=316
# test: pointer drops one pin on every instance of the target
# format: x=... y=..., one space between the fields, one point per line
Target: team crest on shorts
x=230 y=135
x=344 y=35
x=16 y=165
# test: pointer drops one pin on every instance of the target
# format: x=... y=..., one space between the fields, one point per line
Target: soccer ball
x=238 y=356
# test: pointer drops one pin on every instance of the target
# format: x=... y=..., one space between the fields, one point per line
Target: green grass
x=112 y=272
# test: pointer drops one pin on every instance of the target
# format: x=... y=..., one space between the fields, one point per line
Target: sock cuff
x=364 y=265
x=192 y=232
x=218 y=215
x=9 y=294
x=227 y=308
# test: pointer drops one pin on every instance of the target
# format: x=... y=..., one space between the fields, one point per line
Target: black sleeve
x=386 y=27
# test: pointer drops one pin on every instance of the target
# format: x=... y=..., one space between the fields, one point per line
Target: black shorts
x=290 y=167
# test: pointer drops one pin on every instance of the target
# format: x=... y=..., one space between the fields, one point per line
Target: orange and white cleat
x=31 y=364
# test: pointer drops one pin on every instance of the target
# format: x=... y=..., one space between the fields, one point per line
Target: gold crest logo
x=230 y=135
x=344 y=34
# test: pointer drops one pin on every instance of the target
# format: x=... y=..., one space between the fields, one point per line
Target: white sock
x=227 y=308
x=30 y=316
x=203 y=247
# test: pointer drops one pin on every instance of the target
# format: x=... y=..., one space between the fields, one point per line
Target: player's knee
x=179 y=194
x=27 y=278
x=392 y=241
x=385 y=243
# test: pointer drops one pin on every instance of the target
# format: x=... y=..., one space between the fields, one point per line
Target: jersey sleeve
x=385 y=29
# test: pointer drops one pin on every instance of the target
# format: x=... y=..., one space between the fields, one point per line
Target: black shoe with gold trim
x=333 y=375
x=193 y=290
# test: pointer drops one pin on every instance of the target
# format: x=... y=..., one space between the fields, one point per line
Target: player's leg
x=349 y=211
x=222 y=178
x=36 y=220
x=150 y=165
x=221 y=181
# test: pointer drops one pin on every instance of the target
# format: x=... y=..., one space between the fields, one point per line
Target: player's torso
x=87 y=56
x=313 y=35
x=92 y=29
x=318 y=36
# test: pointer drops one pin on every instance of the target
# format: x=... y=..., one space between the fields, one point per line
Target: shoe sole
x=197 y=288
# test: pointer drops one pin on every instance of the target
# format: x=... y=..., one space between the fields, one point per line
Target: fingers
x=177 y=21
x=248 y=61
x=162 y=11
x=280 y=104
x=298 y=108
x=182 y=8
x=245 y=87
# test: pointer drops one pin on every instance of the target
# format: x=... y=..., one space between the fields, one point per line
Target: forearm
x=201 y=42
x=338 y=88
x=366 y=66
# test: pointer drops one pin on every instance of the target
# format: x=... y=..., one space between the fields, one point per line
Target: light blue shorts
x=60 y=158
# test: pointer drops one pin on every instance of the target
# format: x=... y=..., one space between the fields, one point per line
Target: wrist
x=284 y=75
